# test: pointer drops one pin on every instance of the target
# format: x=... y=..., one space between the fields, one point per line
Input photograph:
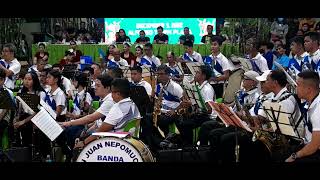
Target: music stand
x=33 y=101
x=281 y=122
x=69 y=70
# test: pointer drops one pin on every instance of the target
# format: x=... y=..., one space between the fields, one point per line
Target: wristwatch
x=294 y=156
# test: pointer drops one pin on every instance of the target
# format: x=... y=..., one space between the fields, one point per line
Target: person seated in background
x=10 y=65
x=279 y=29
x=149 y=60
x=70 y=32
x=66 y=83
x=175 y=73
x=266 y=51
x=82 y=29
x=186 y=36
x=139 y=52
x=142 y=39
x=206 y=39
x=77 y=53
x=160 y=38
x=305 y=28
x=282 y=59
x=127 y=55
x=122 y=37
x=67 y=59
x=115 y=73
x=190 y=55
x=41 y=53
x=117 y=61
x=38 y=68
x=309 y=21
x=58 y=34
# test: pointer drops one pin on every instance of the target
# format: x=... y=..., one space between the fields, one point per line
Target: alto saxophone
x=157 y=107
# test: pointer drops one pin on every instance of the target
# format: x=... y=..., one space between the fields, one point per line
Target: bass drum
x=113 y=149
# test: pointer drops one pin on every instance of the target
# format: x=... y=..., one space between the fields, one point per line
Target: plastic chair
x=133 y=126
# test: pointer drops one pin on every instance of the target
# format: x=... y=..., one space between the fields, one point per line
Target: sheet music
x=283 y=118
x=48 y=109
x=25 y=106
x=47 y=124
x=227 y=116
x=113 y=134
x=193 y=66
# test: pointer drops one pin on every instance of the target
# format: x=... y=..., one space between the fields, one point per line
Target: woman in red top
x=41 y=54
x=127 y=55
x=67 y=58
x=77 y=53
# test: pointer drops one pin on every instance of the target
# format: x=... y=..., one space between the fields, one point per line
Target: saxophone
x=157 y=107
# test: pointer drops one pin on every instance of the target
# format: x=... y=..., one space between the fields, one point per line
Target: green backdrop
x=56 y=52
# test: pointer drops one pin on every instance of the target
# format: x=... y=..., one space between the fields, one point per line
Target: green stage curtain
x=56 y=51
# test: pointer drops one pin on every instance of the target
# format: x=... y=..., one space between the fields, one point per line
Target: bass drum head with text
x=113 y=149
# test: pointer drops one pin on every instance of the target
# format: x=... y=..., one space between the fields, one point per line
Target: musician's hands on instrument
x=290 y=159
x=18 y=124
x=80 y=144
x=170 y=113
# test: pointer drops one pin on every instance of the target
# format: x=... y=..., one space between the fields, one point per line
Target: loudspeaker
x=16 y=154
x=189 y=154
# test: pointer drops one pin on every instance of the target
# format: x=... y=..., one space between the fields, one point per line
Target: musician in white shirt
x=308 y=89
x=123 y=111
x=10 y=65
x=190 y=55
x=136 y=77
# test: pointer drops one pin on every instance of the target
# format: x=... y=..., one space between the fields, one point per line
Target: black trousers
x=3 y=126
x=205 y=129
x=218 y=90
x=188 y=124
x=223 y=142
x=164 y=121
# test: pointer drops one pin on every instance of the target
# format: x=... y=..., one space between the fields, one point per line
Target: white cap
x=264 y=76
x=251 y=75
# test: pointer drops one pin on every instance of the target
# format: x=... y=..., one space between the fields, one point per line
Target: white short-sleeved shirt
x=146 y=85
x=121 y=113
x=174 y=89
x=15 y=67
x=299 y=60
x=152 y=59
x=121 y=62
x=313 y=116
x=207 y=93
x=104 y=109
x=60 y=99
x=224 y=63
x=175 y=68
x=80 y=98
x=315 y=57
x=66 y=83
x=195 y=56
x=261 y=62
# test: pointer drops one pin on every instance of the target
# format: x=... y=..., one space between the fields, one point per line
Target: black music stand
x=69 y=70
x=281 y=121
x=33 y=101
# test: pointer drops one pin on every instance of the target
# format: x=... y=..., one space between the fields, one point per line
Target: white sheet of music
x=47 y=124
x=48 y=109
x=25 y=106
x=283 y=118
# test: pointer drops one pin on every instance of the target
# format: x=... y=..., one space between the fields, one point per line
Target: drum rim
x=113 y=137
